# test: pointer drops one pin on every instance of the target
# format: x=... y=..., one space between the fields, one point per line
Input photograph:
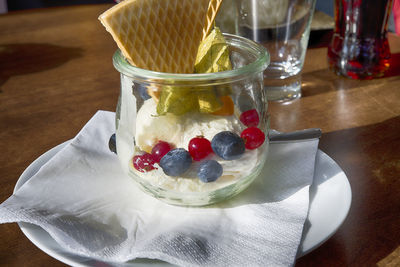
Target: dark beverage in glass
x=359 y=48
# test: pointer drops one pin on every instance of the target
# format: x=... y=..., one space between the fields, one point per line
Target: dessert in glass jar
x=194 y=139
x=191 y=120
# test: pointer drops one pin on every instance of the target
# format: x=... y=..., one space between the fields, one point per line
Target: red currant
x=144 y=163
x=160 y=149
x=250 y=118
x=253 y=137
x=199 y=148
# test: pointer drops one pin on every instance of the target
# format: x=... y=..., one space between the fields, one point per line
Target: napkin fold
x=91 y=208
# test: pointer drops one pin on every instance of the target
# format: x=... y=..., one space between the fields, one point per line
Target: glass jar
x=171 y=109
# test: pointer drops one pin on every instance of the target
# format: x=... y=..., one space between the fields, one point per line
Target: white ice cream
x=233 y=170
x=179 y=130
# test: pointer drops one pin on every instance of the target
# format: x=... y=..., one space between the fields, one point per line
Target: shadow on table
x=370 y=157
x=20 y=59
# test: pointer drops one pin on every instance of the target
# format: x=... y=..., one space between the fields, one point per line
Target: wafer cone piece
x=212 y=11
x=158 y=35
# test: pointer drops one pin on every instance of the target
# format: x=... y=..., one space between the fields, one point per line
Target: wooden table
x=56 y=72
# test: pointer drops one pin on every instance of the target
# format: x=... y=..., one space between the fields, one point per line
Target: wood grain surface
x=56 y=72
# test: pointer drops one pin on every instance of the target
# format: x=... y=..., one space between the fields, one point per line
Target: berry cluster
x=225 y=144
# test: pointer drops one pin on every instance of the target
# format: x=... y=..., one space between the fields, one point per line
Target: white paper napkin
x=85 y=202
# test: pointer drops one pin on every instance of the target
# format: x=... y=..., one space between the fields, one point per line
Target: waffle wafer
x=159 y=35
x=212 y=11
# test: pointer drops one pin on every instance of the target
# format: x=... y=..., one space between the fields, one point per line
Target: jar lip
x=258 y=65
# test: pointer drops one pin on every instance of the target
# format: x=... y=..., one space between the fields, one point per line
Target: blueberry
x=209 y=171
x=143 y=91
x=228 y=145
x=176 y=162
x=112 y=144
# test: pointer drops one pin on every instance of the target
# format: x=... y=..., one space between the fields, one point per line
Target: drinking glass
x=283 y=27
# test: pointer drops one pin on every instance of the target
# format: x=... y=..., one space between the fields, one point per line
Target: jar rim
x=258 y=65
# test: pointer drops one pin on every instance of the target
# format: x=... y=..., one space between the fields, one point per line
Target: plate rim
x=27 y=230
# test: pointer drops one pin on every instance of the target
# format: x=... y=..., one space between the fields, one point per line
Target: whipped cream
x=179 y=130
x=233 y=170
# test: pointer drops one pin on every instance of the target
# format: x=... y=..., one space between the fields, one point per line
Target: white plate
x=330 y=199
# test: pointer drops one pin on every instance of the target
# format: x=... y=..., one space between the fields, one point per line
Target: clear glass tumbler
x=283 y=27
x=157 y=112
